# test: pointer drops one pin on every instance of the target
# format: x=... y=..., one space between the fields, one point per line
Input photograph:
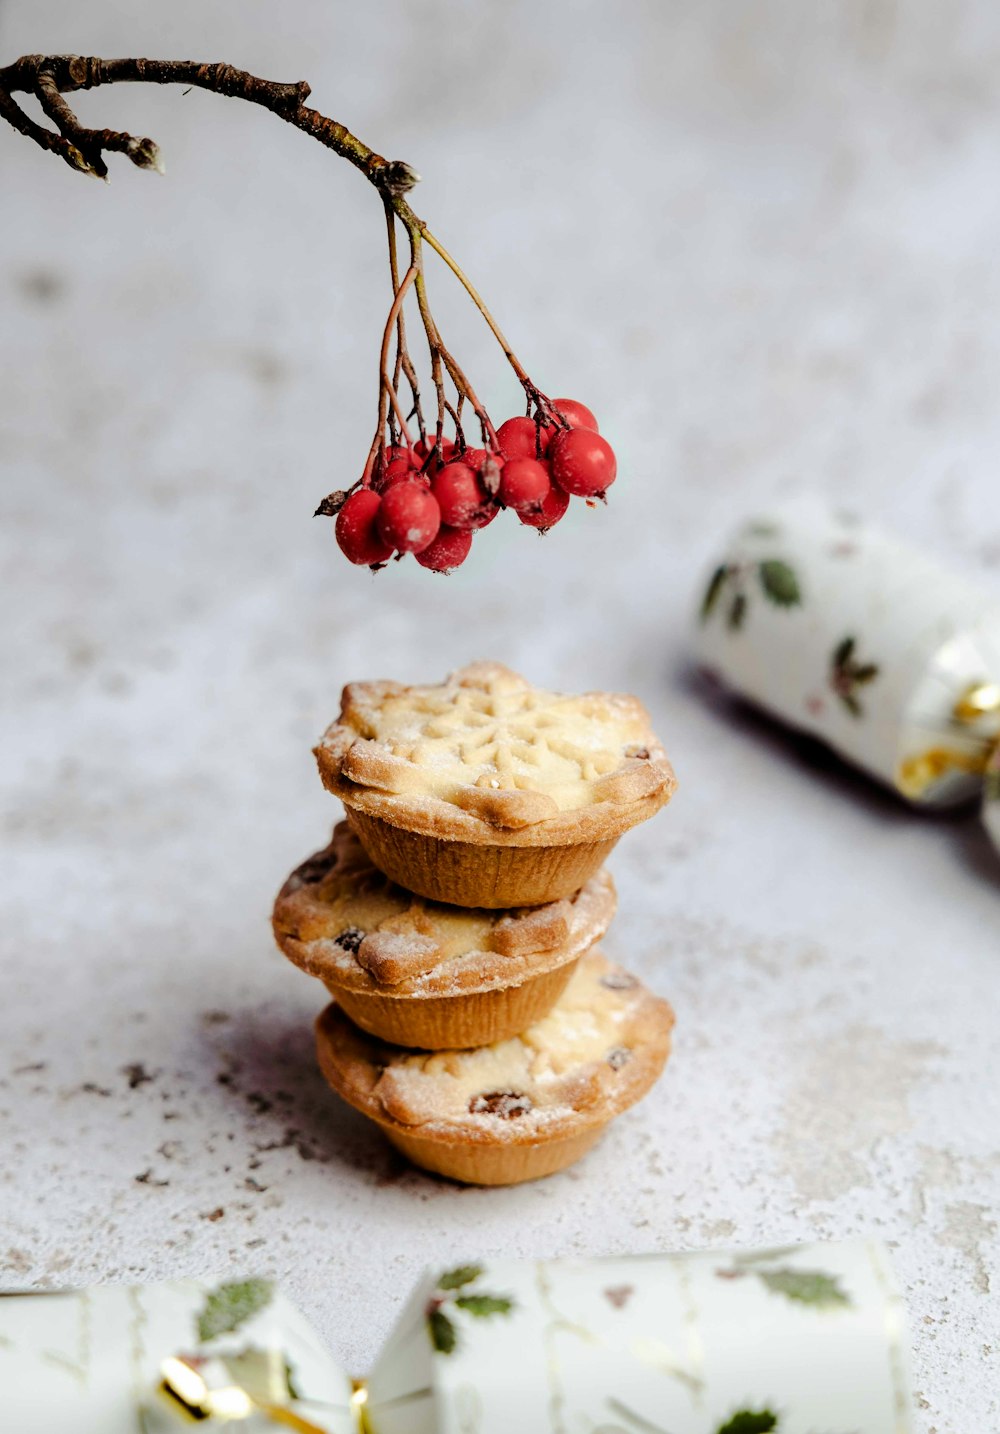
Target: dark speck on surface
x=42 y=286
x=136 y=1074
x=269 y=369
x=146 y=1178
x=291 y=1140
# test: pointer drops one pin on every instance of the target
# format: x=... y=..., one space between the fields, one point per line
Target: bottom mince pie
x=522 y=1107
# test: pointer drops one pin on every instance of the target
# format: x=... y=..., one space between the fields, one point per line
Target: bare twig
x=388 y=386
x=51 y=77
x=509 y=353
x=441 y=356
x=403 y=360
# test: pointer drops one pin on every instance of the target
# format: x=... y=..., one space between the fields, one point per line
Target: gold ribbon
x=190 y=1394
x=359 y=1406
x=916 y=774
x=982 y=699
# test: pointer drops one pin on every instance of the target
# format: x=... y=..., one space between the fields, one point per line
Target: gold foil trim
x=916 y=775
x=190 y=1395
x=359 y=1405
x=182 y=1383
x=982 y=699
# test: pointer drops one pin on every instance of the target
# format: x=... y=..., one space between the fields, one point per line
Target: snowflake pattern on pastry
x=493 y=745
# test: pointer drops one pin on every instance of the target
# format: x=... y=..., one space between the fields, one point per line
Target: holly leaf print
x=463 y=1275
x=443 y=1330
x=842 y=652
x=232 y=1305
x=750 y=1421
x=483 y=1305
x=444 y=1336
x=847 y=674
x=712 y=593
x=779 y=582
x=807 y=1287
x=865 y=672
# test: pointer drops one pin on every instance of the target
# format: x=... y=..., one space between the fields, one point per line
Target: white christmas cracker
x=151 y=1359
x=795 y=1340
x=845 y=633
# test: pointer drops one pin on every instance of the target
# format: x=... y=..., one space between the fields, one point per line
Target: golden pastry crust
x=598 y=1051
x=341 y=920
x=486 y=758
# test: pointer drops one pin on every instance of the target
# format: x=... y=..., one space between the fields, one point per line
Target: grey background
x=761 y=240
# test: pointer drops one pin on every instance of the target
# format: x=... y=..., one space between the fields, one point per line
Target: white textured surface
x=762 y=241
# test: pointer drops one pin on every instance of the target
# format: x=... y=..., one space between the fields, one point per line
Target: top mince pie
x=483 y=790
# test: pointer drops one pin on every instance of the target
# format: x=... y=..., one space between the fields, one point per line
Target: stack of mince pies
x=455 y=918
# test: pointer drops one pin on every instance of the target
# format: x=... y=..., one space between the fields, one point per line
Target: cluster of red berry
x=429 y=500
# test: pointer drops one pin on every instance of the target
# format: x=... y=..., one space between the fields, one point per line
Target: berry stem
x=388 y=388
x=403 y=360
x=462 y=385
x=456 y=418
x=476 y=298
x=430 y=328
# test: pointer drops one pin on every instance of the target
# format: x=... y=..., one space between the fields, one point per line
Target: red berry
x=357 y=529
x=577 y=415
x=489 y=478
x=549 y=511
x=396 y=459
x=409 y=517
x=404 y=475
x=583 y=463
x=524 y=485
x=463 y=500
x=474 y=458
x=517 y=438
x=423 y=448
x=449 y=550
x=396 y=465
x=411 y=475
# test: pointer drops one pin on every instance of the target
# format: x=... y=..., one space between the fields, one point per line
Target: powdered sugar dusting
x=567 y=1062
x=348 y=924
x=486 y=726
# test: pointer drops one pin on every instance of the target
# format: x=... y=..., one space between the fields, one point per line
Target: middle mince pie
x=421 y=973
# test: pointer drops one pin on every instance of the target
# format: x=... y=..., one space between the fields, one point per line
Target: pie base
x=475 y=1018
x=493 y=1164
x=465 y=873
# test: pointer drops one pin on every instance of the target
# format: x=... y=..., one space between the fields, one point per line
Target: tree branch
x=51 y=77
